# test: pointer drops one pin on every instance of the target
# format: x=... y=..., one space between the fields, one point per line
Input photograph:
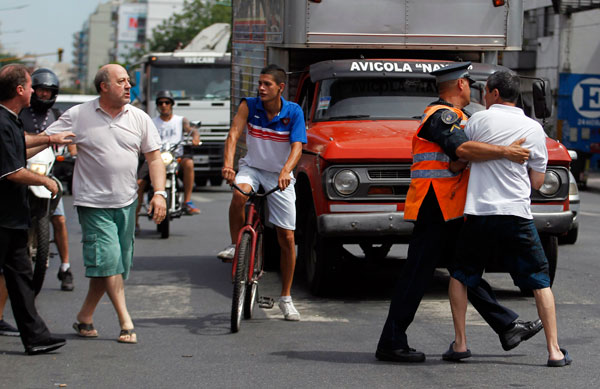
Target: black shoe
x=45 y=346
x=8 y=330
x=519 y=332
x=400 y=355
x=66 y=280
x=455 y=356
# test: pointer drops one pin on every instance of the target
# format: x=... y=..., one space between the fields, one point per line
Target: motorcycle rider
x=171 y=128
x=35 y=120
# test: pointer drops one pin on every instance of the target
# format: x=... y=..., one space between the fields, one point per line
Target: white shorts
x=60 y=209
x=281 y=208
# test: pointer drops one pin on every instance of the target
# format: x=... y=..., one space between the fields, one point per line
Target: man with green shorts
x=110 y=135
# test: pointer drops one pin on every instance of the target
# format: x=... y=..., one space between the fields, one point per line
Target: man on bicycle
x=276 y=132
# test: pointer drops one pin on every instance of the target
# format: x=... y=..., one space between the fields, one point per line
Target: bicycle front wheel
x=240 y=281
x=252 y=290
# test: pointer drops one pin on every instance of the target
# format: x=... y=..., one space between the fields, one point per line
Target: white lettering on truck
x=392 y=67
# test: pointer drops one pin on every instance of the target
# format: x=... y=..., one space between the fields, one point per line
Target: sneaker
x=66 y=280
x=227 y=254
x=8 y=330
x=289 y=311
x=190 y=209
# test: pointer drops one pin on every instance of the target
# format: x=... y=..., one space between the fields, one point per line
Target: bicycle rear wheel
x=240 y=281
x=252 y=290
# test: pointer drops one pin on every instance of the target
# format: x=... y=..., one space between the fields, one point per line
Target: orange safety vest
x=431 y=166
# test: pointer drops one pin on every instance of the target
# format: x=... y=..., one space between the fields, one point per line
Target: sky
x=42 y=26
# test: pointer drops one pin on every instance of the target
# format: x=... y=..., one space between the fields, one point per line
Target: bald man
x=110 y=135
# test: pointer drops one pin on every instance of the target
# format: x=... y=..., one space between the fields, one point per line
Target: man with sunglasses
x=171 y=128
x=435 y=202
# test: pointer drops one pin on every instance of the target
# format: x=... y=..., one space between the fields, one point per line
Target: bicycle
x=248 y=255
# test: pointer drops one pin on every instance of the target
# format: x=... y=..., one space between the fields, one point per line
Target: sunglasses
x=163 y=102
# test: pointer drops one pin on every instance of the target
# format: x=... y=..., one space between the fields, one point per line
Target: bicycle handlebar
x=252 y=193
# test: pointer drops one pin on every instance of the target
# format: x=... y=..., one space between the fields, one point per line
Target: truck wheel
x=318 y=254
x=271 y=250
x=201 y=181
x=376 y=252
x=40 y=244
x=550 y=245
x=571 y=236
x=216 y=180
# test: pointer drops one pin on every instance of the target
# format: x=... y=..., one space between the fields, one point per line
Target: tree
x=178 y=30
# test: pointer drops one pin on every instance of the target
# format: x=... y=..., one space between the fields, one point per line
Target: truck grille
x=389 y=174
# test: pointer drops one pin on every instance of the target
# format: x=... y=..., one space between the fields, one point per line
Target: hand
x=516 y=153
x=158 y=205
x=196 y=140
x=228 y=174
x=52 y=186
x=285 y=179
x=457 y=166
x=62 y=138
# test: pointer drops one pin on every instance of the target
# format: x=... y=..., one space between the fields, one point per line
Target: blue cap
x=453 y=71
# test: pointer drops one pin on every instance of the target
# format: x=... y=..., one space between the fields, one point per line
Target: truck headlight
x=39 y=168
x=167 y=157
x=551 y=184
x=345 y=182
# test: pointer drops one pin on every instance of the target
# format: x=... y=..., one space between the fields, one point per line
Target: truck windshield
x=374 y=98
x=188 y=83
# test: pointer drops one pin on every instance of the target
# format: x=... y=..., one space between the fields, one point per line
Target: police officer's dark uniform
x=433 y=240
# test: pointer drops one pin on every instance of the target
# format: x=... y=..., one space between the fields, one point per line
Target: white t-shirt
x=107 y=152
x=502 y=187
x=171 y=131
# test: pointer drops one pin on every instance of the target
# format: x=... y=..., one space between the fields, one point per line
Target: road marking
x=590 y=214
x=163 y=301
x=201 y=199
x=304 y=309
x=439 y=310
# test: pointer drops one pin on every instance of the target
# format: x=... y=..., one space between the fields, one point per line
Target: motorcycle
x=173 y=187
x=42 y=206
x=64 y=166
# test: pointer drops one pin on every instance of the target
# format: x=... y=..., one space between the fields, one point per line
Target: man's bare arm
x=536 y=178
x=237 y=128
x=187 y=128
x=38 y=142
x=285 y=176
x=26 y=177
x=158 y=204
x=478 y=151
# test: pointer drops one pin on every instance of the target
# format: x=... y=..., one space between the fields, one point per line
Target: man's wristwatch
x=161 y=193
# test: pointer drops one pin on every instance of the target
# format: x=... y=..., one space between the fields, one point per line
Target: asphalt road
x=179 y=296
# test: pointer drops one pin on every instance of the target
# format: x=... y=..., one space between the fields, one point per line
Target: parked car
x=64 y=102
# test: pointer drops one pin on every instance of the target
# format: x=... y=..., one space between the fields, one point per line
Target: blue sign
x=579 y=108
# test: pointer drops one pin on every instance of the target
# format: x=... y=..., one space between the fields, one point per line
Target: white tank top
x=171 y=131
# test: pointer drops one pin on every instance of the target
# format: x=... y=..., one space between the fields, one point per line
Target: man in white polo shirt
x=110 y=135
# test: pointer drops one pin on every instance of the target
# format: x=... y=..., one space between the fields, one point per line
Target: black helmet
x=165 y=94
x=44 y=78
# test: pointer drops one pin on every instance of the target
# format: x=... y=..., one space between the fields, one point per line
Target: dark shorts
x=514 y=239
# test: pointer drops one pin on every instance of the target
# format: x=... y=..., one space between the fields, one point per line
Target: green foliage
x=178 y=30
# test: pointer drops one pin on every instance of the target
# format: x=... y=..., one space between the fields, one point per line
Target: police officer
x=435 y=203
x=35 y=120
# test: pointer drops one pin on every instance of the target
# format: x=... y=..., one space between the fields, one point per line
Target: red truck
x=363 y=86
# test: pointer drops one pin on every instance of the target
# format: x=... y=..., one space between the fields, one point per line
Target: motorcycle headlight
x=39 y=168
x=345 y=182
x=551 y=184
x=167 y=157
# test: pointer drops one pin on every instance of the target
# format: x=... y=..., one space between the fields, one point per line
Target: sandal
x=132 y=337
x=90 y=331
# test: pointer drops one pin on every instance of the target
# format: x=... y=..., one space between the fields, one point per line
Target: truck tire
x=318 y=255
x=550 y=245
x=376 y=252
x=216 y=180
x=201 y=181
x=40 y=241
x=571 y=236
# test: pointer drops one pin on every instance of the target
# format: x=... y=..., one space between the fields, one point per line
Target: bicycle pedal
x=266 y=302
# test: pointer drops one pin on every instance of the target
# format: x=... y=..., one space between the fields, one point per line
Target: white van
x=64 y=102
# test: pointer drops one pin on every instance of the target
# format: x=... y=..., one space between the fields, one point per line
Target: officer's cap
x=453 y=72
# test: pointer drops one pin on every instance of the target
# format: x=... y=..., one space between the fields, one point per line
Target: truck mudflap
x=554 y=223
x=364 y=224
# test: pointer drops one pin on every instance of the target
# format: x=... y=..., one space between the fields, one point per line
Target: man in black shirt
x=15 y=94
